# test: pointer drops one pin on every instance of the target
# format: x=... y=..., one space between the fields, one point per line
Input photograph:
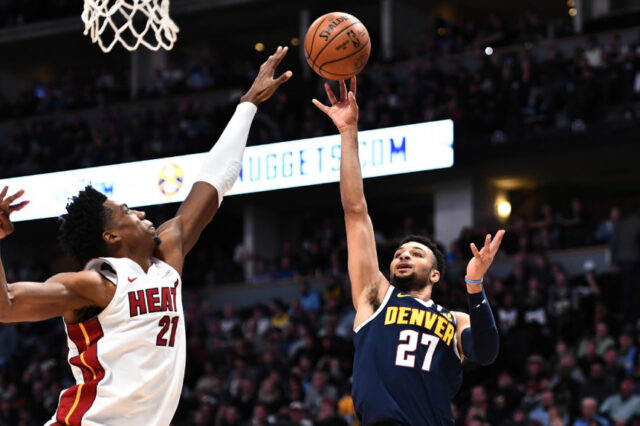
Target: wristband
x=474 y=282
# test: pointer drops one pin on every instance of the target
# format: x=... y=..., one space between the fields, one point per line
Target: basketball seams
x=349 y=75
x=334 y=37
x=343 y=58
x=313 y=40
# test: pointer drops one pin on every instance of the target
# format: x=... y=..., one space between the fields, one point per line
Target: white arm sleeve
x=223 y=163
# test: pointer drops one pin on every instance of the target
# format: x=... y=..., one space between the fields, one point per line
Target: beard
x=409 y=282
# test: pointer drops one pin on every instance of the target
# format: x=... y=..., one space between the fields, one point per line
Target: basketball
x=337 y=46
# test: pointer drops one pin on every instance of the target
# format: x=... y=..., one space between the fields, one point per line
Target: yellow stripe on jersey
x=85 y=334
x=75 y=404
x=87 y=365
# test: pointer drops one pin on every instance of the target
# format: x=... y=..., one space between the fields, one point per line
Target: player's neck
x=422 y=294
x=142 y=259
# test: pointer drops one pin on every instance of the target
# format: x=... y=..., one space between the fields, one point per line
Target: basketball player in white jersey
x=123 y=312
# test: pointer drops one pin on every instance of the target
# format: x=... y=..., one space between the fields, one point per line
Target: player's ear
x=434 y=276
x=110 y=237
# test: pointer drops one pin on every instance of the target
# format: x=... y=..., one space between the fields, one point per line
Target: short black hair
x=82 y=226
x=440 y=265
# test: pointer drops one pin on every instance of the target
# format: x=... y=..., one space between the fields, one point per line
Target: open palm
x=6 y=208
x=482 y=259
x=265 y=84
x=343 y=112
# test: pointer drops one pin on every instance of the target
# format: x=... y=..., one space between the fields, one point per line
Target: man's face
x=130 y=225
x=626 y=387
x=589 y=408
x=412 y=267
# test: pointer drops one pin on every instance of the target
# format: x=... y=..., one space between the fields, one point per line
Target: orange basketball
x=337 y=46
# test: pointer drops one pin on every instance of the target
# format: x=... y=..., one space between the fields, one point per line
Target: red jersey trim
x=76 y=401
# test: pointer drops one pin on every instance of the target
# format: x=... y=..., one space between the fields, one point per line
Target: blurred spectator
x=566 y=384
x=298 y=414
x=505 y=399
x=327 y=415
x=598 y=385
x=540 y=412
x=589 y=414
x=319 y=390
x=627 y=352
x=612 y=366
x=310 y=299
x=479 y=407
x=606 y=228
x=229 y=320
x=259 y=417
x=625 y=254
x=622 y=406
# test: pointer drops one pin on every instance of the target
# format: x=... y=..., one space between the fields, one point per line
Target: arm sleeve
x=480 y=342
x=222 y=164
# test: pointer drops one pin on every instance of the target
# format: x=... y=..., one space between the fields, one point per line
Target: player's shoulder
x=78 y=280
x=462 y=319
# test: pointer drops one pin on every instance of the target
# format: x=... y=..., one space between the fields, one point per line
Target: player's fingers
x=14 y=197
x=280 y=53
x=353 y=85
x=330 y=95
x=343 y=90
x=352 y=100
x=4 y=192
x=18 y=207
x=474 y=250
x=497 y=240
x=269 y=63
x=320 y=106
x=284 y=77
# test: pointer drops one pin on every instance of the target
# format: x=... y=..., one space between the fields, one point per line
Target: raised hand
x=344 y=112
x=6 y=208
x=482 y=259
x=265 y=85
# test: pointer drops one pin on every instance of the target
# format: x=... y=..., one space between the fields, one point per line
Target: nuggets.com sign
x=383 y=152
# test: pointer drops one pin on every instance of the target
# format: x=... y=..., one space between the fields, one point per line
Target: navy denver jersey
x=407 y=367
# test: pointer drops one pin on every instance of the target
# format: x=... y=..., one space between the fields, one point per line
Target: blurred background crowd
x=569 y=342
x=519 y=93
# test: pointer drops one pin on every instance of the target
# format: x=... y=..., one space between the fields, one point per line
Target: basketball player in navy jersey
x=409 y=350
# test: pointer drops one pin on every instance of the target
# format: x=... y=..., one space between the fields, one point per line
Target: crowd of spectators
x=569 y=348
x=512 y=96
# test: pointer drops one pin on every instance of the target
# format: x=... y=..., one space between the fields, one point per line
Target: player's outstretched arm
x=477 y=332
x=30 y=301
x=364 y=272
x=220 y=168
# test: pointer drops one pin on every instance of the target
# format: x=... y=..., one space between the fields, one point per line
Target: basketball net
x=105 y=17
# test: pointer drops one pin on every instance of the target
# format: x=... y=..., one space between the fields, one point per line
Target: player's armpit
x=34 y=301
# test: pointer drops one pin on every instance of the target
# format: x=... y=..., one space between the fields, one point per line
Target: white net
x=131 y=23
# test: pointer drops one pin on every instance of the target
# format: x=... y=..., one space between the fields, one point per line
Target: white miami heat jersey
x=128 y=362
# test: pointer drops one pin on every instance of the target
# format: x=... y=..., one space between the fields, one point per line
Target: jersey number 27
x=405 y=356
